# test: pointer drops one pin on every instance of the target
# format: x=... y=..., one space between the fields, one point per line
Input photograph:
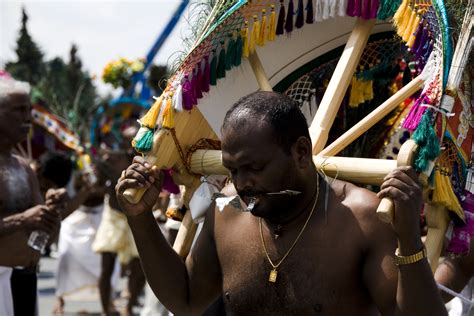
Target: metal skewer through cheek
x=253 y=200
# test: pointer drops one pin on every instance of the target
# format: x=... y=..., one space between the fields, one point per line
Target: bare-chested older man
x=334 y=261
x=21 y=205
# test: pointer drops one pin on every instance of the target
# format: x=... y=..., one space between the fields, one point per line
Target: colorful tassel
x=193 y=90
x=272 y=25
x=206 y=75
x=443 y=192
x=238 y=51
x=254 y=35
x=374 y=7
x=280 y=29
x=221 y=63
x=150 y=118
x=289 y=17
x=263 y=29
x=397 y=18
x=168 y=115
x=143 y=141
x=410 y=27
x=187 y=94
x=354 y=8
x=213 y=70
x=428 y=143
x=245 y=40
x=413 y=31
x=229 y=57
x=178 y=98
x=387 y=9
x=198 y=83
x=309 y=12
x=300 y=15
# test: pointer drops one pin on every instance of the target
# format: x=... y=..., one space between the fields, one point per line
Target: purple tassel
x=310 y=12
x=289 y=17
x=300 y=15
x=374 y=7
x=168 y=182
x=198 y=86
x=353 y=8
x=206 y=75
x=365 y=9
x=418 y=34
x=193 y=89
x=280 y=29
x=187 y=94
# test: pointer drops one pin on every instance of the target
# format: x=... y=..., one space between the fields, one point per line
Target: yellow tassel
x=397 y=17
x=245 y=39
x=168 y=115
x=368 y=90
x=255 y=34
x=405 y=20
x=411 y=39
x=356 y=96
x=409 y=28
x=263 y=28
x=443 y=193
x=272 y=25
x=150 y=118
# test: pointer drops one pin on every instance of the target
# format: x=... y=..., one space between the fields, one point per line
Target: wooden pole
x=338 y=84
x=359 y=170
x=259 y=72
x=437 y=219
x=406 y=156
x=374 y=117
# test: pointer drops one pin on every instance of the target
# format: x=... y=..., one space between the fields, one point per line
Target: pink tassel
x=414 y=116
x=365 y=9
x=187 y=95
x=374 y=7
x=353 y=8
x=460 y=242
x=198 y=86
x=206 y=75
x=193 y=89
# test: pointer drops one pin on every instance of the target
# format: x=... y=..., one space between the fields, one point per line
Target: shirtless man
x=21 y=204
x=336 y=260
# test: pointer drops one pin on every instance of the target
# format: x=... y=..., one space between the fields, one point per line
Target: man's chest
x=15 y=192
x=321 y=271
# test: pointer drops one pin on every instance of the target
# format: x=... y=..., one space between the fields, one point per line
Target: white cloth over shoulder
x=78 y=265
x=6 y=300
x=202 y=197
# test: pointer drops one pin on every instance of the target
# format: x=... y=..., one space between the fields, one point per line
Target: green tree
x=29 y=66
x=68 y=92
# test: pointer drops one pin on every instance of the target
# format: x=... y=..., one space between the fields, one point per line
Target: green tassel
x=428 y=143
x=221 y=64
x=213 y=71
x=387 y=8
x=238 y=46
x=144 y=143
x=229 y=57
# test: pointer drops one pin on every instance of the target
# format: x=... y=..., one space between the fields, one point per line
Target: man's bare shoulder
x=363 y=203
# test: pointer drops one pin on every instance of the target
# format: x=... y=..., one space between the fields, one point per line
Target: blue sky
x=103 y=30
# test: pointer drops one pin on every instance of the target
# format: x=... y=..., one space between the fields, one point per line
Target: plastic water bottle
x=38 y=240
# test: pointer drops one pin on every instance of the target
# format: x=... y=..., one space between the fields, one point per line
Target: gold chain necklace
x=273 y=273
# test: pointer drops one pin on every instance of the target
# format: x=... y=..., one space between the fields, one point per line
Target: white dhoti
x=78 y=265
x=6 y=300
x=114 y=235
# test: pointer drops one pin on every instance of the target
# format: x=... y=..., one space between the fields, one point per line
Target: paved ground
x=83 y=304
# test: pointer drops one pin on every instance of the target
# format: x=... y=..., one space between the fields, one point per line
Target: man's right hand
x=40 y=217
x=139 y=175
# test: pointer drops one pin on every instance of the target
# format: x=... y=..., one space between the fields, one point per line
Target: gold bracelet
x=401 y=260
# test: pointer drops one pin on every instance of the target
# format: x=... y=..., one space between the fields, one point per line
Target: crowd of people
x=322 y=251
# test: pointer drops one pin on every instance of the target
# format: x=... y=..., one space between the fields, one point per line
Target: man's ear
x=302 y=152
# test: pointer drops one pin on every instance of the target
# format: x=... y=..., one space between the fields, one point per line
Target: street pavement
x=85 y=303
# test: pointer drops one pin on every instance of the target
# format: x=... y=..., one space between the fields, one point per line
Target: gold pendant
x=273 y=276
